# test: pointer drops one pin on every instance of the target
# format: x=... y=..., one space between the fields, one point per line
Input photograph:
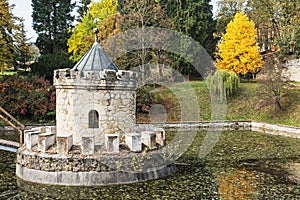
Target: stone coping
x=91 y=178
x=9 y=143
x=243 y=125
x=225 y=125
x=169 y=124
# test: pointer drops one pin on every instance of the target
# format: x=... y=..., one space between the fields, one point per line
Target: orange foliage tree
x=238 y=50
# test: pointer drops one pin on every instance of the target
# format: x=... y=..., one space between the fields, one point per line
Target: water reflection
x=5 y=148
x=8 y=186
x=238 y=184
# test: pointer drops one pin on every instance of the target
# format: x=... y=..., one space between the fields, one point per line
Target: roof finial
x=96 y=31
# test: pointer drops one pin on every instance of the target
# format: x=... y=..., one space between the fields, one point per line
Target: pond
x=242 y=165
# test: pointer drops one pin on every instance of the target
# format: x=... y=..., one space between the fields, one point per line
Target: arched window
x=93 y=119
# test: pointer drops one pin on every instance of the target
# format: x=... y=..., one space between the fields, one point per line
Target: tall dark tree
x=52 y=20
x=82 y=8
x=23 y=49
x=193 y=18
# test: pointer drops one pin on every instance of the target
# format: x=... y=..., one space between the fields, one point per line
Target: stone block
x=112 y=142
x=160 y=136
x=31 y=138
x=133 y=140
x=110 y=75
x=45 y=141
x=51 y=129
x=40 y=129
x=88 y=144
x=64 y=143
x=149 y=139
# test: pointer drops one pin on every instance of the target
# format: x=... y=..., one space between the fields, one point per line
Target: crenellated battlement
x=106 y=79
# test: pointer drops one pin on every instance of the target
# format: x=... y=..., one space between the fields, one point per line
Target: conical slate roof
x=95 y=60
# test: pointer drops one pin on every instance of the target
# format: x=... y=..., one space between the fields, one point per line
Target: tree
x=23 y=49
x=222 y=84
x=47 y=63
x=289 y=37
x=274 y=83
x=277 y=22
x=104 y=16
x=6 y=36
x=238 y=50
x=82 y=9
x=138 y=14
x=193 y=18
x=52 y=20
x=262 y=13
x=227 y=11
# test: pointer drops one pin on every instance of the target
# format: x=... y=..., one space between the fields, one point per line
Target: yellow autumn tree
x=238 y=50
x=102 y=15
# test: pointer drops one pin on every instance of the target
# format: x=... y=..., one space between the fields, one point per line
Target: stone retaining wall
x=262 y=127
x=275 y=129
x=293 y=69
x=91 y=178
x=91 y=170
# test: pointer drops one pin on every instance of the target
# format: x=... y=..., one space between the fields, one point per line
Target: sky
x=23 y=9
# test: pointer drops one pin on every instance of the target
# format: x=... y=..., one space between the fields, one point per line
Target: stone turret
x=94 y=105
x=96 y=139
x=95 y=98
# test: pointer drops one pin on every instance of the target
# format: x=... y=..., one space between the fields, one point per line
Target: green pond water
x=242 y=165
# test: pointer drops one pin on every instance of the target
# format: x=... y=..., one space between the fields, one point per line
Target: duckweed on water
x=242 y=165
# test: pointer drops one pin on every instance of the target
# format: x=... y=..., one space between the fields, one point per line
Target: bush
x=48 y=63
x=28 y=97
x=143 y=100
x=222 y=83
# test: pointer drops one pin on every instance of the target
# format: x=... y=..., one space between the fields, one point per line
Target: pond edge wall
x=242 y=125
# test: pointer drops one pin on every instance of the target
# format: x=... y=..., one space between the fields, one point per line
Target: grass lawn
x=246 y=105
x=7 y=73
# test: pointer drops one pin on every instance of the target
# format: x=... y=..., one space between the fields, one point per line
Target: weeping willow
x=222 y=83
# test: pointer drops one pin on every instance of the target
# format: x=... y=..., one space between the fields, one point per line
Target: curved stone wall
x=89 y=171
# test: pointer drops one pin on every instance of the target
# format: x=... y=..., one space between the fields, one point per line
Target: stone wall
x=91 y=170
x=293 y=69
x=110 y=94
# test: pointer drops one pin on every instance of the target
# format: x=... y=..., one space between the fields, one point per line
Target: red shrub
x=29 y=97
